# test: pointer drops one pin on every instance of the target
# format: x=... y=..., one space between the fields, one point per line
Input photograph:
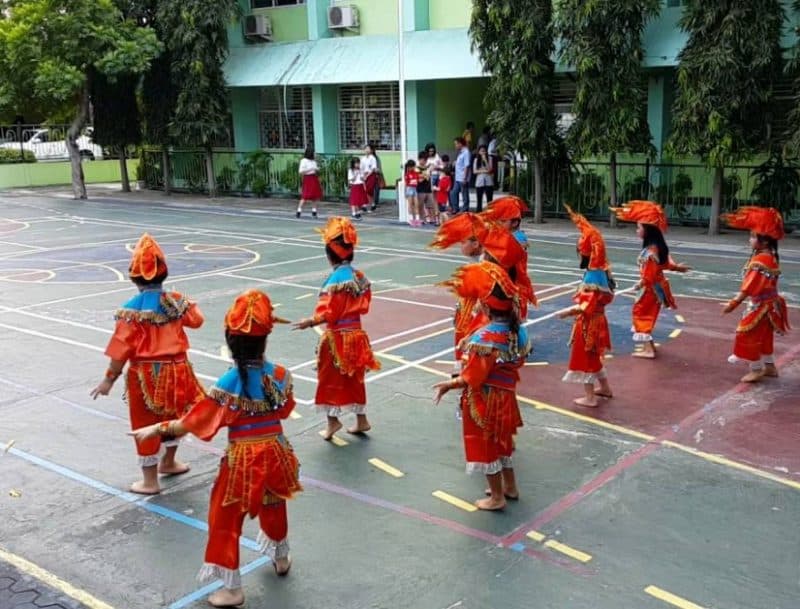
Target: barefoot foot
x=490 y=504
x=227 y=598
x=176 y=468
x=770 y=370
x=359 y=429
x=282 y=566
x=510 y=496
x=753 y=376
x=603 y=394
x=585 y=402
x=331 y=430
x=644 y=354
x=142 y=488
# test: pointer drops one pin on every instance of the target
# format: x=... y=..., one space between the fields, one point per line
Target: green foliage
x=638 y=187
x=226 y=178
x=196 y=37
x=793 y=69
x=777 y=183
x=290 y=178
x=254 y=171
x=333 y=175
x=116 y=113
x=725 y=76
x=586 y=192
x=150 y=169
x=514 y=39
x=602 y=39
x=15 y=155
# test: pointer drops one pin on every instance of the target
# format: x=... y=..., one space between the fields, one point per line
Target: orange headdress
x=645 y=212
x=460 y=228
x=148 y=260
x=251 y=314
x=339 y=226
x=509 y=207
x=760 y=220
x=590 y=243
x=478 y=281
x=508 y=253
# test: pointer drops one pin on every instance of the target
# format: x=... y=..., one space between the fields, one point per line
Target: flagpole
x=402 y=210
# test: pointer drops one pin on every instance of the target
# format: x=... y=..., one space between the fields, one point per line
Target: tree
x=602 y=40
x=50 y=50
x=725 y=77
x=514 y=39
x=117 y=122
x=793 y=68
x=196 y=37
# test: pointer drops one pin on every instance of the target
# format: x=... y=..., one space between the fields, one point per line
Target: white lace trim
x=275 y=550
x=735 y=359
x=170 y=443
x=231 y=578
x=768 y=359
x=642 y=337
x=507 y=462
x=149 y=460
x=337 y=411
x=587 y=378
x=495 y=467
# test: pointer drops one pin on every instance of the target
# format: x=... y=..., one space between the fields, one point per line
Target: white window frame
x=393 y=109
x=271 y=4
x=306 y=112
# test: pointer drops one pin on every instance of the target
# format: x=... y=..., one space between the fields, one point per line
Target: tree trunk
x=165 y=171
x=212 y=181
x=74 y=131
x=612 y=170
x=716 y=201
x=123 y=170
x=538 y=204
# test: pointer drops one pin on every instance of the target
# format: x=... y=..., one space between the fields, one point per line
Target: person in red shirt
x=411 y=179
x=149 y=335
x=259 y=472
x=590 y=337
x=766 y=313
x=344 y=354
x=442 y=193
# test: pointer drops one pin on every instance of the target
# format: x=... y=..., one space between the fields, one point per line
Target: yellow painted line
x=536 y=536
x=680 y=319
x=537 y=363
x=675 y=333
x=48 y=578
x=568 y=550
x=670 y=598
x=309 y=295
x=587 y=419
x=459 y=503
x=295 y=415
x=335 y=439
x=425 y=276
x=382 y=465
x=733 y=464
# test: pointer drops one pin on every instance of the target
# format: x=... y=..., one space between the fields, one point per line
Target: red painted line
x=606 y=476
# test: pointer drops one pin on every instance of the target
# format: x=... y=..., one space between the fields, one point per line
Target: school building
x=324 y=72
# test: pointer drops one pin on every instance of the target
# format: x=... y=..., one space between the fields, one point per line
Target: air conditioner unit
x=257 y=27
x=342 y=17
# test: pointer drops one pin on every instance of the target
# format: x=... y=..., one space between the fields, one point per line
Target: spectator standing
x=425 y=202
x=435 y=163
x=484 y=137
x=483 y=169
x=369 y=171
x=461 y=177
x=311 y=187
x=469 y=135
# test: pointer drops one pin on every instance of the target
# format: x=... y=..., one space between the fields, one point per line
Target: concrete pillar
x=326 y=121
x=246 y=129
x=416 y=15
x=420 y=114
x=660 y=93
x=317 y=12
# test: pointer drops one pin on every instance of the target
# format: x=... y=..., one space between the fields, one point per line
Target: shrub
x=15 y=155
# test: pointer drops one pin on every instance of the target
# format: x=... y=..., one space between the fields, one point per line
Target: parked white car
x=49 y=145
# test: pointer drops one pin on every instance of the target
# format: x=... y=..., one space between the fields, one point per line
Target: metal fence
x=31 y=143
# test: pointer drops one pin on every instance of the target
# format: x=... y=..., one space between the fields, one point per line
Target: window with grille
x=273 y=3
x=369 y=114
x=286 y=118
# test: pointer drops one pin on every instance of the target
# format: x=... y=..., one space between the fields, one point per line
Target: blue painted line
x=517 y=547
x=94 y=411
x=206 y=590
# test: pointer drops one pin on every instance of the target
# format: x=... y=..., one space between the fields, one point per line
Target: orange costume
x=492 y=356
x=590 y=337
x=766 y=311
x=654 y=290
x=259 y=471
x=149 y=334
x=344 y=353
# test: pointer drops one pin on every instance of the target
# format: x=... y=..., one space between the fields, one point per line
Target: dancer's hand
x=145 y=433
x=732 y=304
x=104 y=388
x=679 y=267
x=303 y=324
x=567 y=313
x=440 y=389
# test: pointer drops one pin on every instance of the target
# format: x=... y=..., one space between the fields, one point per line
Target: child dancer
x=358 y=194
x=411 y=178
x=766 y=312
x=259 y=471
x=312 y=189
x=160 y=383
x=590 y=336
x=344 y=353
x=493 y=356
x=507 y=212
x=441 y=191
x=654 y=259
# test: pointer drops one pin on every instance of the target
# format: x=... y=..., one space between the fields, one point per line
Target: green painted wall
x=421 y=114
x=25 y=175
x=289 y=23
x=326 y=118
x=458 y=101
x=244 y=107
x=375 y=17
x=446 y=14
